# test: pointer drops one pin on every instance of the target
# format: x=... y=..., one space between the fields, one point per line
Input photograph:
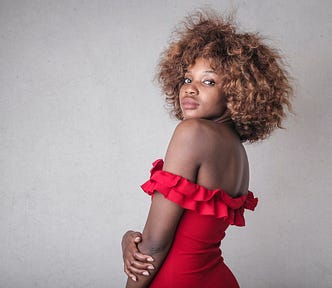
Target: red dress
x=194 y=259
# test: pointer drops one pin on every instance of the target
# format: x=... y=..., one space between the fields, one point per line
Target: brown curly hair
x=255 y=82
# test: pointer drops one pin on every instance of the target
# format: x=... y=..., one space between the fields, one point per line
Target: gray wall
x=81 y=121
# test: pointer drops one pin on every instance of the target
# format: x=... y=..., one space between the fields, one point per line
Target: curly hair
x=256 y=84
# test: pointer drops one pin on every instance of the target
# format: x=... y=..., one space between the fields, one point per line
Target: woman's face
x=201 y=92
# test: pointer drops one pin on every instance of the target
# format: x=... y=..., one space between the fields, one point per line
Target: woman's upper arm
x=184 y=153
x=161 y=225
x=182 y=158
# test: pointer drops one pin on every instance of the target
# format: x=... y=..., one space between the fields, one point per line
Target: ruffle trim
x=197 y=198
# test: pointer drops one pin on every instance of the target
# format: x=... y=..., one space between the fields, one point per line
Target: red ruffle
x=195 y=197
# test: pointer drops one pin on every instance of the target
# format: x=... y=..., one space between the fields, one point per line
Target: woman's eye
x=187 y=80
x=209 y=82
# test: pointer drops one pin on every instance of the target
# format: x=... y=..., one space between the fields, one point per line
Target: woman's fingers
x=129 y=274
x=136 y=236
x=132 y=270
x=138 y=239
x=142 y=257
x=136 y=268
x=135 y=263
x=141 y=266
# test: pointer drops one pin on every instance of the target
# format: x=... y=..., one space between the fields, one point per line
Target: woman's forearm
x=157 y=236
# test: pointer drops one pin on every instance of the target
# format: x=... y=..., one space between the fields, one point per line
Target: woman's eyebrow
x=205 y=72
x=210 y=71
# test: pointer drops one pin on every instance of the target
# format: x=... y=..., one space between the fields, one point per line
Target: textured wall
x=81 y=121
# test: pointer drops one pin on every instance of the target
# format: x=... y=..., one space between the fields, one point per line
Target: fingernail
x=134 y=278
x=137 y=238
x=146 y=273
x=151 y=267
x=150 y=259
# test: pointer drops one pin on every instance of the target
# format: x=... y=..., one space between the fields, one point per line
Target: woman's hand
x=135 y=263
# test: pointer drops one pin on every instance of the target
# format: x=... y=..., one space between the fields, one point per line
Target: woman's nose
x=191 y=89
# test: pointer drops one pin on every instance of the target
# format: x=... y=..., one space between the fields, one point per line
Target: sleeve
x=197 y=198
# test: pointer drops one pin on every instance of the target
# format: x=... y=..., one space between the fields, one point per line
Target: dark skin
x=204 y=149
x=164 y=224
x=135 y=263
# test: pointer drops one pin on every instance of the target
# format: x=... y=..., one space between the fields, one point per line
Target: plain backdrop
x=81 y=121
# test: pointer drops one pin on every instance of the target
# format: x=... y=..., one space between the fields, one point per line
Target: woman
x=226 y=88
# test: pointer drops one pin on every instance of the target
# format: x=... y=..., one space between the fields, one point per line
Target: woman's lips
x=189 y=104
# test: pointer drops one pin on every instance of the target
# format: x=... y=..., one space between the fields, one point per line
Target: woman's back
x=224 y=164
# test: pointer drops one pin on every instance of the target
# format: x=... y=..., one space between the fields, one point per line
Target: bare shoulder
x=205 y=133
x=188 y=134
x=202 y=150
x=189 y=125
x=194 y=128
x=185 y=150
x=201 y=138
